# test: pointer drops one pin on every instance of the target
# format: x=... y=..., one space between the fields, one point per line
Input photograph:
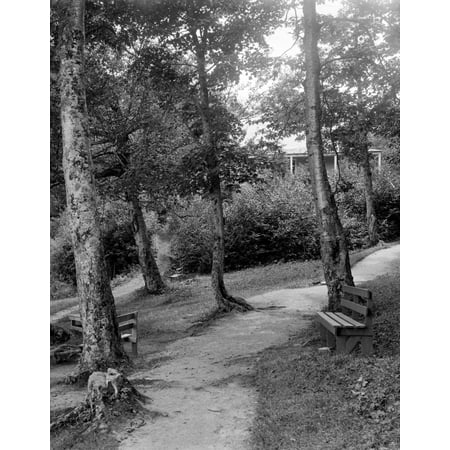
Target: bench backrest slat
x=363 y=293
x=127 y=326
x=351 y=294
x=128 y=316
x=126 y=321
x=354 y=306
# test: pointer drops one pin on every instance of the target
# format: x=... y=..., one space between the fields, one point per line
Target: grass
x=246 y=283
x=316 y=401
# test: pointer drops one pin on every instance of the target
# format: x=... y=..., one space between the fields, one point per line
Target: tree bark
x=150 y=272
x=334 y=253
x=225 y=301
x=102 y=346
x=371 y=218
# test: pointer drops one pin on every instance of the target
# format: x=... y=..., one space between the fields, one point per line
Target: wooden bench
x=344 y=332
x=128 y=328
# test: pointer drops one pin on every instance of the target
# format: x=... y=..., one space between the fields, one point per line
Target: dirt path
x=71 y=303
x=201 y=386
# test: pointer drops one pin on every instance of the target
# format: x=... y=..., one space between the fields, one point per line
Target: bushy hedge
x=264 y=223
x=275 y=220
x=271 y=222
x=192 y=239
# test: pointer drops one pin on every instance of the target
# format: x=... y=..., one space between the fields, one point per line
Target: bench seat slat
x=326 y=316
x=354 y=323
x=326 y=322
x=343 y=320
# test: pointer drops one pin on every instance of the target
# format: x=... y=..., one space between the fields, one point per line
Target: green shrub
x=352 y=204
x=120 y=250
x=270 y=222
x=263 y=223
x=191 y=245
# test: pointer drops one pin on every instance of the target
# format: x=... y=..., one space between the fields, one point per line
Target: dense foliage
x=351 y=200
x=269 y=221
x=274 y=220
x=118 y=241
x=263 y=223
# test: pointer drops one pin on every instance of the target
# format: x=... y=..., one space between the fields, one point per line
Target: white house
x=295 y=153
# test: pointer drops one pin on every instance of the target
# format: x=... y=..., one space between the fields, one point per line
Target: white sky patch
x=283 y=42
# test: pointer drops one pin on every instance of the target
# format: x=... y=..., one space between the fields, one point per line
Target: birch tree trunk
x=334 y=253
x=150 y=272
x=102 y=347
x=225 y=301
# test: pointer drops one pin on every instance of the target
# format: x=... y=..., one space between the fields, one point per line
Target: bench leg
x=351 y=343
x=331 y=340
x=367 y=345
x=134 y=348
x=340 y=344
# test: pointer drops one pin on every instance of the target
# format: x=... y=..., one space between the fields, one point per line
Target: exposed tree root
x=230 y=303
x=155 y=290
x=218 y=313
x=109 y=396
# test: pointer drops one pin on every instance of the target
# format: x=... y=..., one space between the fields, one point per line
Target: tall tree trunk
x=335 y=259
x=225 y=301
x=102 y=346
x=150 y=272
x=371 y=218
x=364 y=157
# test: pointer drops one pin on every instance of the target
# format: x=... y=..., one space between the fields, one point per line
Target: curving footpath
x=201 y=387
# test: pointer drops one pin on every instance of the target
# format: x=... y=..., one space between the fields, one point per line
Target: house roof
x=293 y=147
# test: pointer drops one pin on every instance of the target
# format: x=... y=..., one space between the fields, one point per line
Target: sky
x=281 y=42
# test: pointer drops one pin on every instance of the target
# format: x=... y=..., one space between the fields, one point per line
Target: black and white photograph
x=224 y=224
